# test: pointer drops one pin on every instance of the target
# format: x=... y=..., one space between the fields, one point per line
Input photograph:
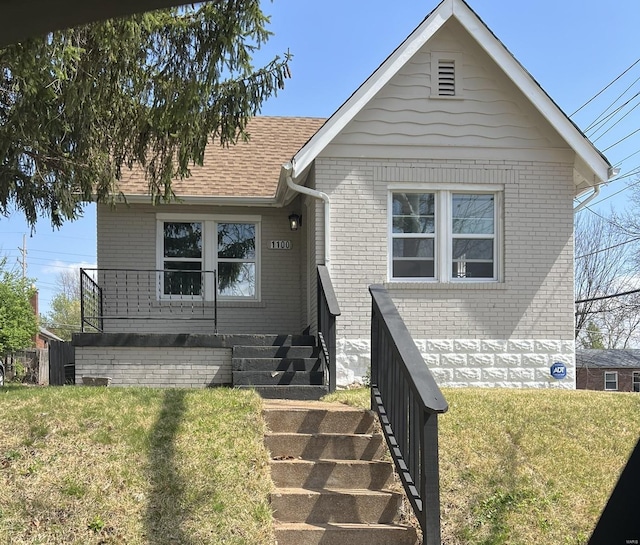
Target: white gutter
x=288 y=167
x=611 y=173
x=596 y=192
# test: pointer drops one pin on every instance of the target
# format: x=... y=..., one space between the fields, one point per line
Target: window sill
x=241 y=304
x=165 y=303
x=400 y=286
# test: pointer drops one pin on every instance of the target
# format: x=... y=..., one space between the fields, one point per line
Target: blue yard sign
x=558 y=370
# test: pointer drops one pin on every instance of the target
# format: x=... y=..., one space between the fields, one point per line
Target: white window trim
x=209 y=251
x=635 y=379
x=443 y=244
x=456 y=57
x=615 y=377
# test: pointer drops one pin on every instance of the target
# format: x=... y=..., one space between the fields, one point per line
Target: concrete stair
x=332 y=477
x=283 y=366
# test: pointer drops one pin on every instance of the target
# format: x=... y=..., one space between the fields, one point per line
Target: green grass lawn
x=114 y=465
x=528 y=466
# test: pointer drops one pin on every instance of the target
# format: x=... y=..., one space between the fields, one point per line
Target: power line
x=608 y=248
x=618 y=121
x=597 y=124
x=611 y=222
x=604 y=89
x=619 y=191
x=603 y=297
x=621 y=140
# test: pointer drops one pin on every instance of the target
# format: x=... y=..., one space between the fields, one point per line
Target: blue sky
x=573 y=48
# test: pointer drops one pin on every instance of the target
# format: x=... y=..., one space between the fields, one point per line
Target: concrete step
x=344 y=534
x=331 y=505
x=299 y=392
x=325 y=446
x=335 y=474
x=278 y=378
x=287 y=351
x=275 y=364
x=318 y=418
x=278 y=340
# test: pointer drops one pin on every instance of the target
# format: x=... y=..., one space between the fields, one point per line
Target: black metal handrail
x=146 y=294
x=408 y=401
x=328 y=310
x=90 y=303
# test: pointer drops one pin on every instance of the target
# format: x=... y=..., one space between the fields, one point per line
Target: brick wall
x=156 y=367
x=534 y=302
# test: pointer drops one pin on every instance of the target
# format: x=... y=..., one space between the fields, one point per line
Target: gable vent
x=446 y=78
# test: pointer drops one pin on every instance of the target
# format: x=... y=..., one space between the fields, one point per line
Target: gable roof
x=246 y=170
x=608 y=359
x=592 y=167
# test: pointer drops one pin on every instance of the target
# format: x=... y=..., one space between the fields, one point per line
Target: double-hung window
x=445 y=235
x=635 y=381
x=237 y=259
x=182 y=258
x=611 y=380
x=197 y=257
x=413 y=227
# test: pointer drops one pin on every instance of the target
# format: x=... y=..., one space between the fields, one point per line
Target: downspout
x=596 y=192
x=612 y=173
x=327 y=209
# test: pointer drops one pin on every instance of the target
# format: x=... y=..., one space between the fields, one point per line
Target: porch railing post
x=430 y=485
x=82 y=309
x=328 y=310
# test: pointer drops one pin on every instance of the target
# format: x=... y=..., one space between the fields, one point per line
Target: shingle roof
x=247 y=169
x=608 y=359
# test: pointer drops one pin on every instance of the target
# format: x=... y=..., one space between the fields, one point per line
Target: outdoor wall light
x=295 y=222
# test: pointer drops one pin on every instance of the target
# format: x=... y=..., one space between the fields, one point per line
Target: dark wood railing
x=328 y=310
x=137 y=294
x=408 y=401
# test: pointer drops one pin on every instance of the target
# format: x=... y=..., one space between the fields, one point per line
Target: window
x=635 y=381
x=610 y=380
x=413 y=219
x=189 y=251
x=237 y=259
x=444 y=235
x=473 y=235
x=182 y=254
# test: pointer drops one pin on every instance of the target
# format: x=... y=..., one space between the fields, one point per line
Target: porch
x=156 y=328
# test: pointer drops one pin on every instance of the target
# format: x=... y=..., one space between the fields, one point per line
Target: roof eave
x=206 y=200
x=376 y=81
x=586 y=151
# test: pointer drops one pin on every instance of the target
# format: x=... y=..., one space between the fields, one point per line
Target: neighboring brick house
x=610 y=370
x=448 y=176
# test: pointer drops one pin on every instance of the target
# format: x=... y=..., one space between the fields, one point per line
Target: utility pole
x=23 y=253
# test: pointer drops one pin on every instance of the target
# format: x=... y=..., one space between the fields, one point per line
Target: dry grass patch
x=528 y=466
x=109 y=465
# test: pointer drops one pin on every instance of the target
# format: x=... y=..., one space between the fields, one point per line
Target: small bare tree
x=64 y=318
x=604 y=266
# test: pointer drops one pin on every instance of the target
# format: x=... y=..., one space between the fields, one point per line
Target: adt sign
x=558 y=370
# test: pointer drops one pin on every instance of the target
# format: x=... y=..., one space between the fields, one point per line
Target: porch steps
x=283 y=366
x=332 y=477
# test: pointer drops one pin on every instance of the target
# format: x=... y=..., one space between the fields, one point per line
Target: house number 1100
x=280 y=245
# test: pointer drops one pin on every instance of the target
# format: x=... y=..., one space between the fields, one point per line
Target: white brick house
x=448 y=176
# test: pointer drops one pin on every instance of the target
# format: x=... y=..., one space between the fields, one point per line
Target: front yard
x=82 y=465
